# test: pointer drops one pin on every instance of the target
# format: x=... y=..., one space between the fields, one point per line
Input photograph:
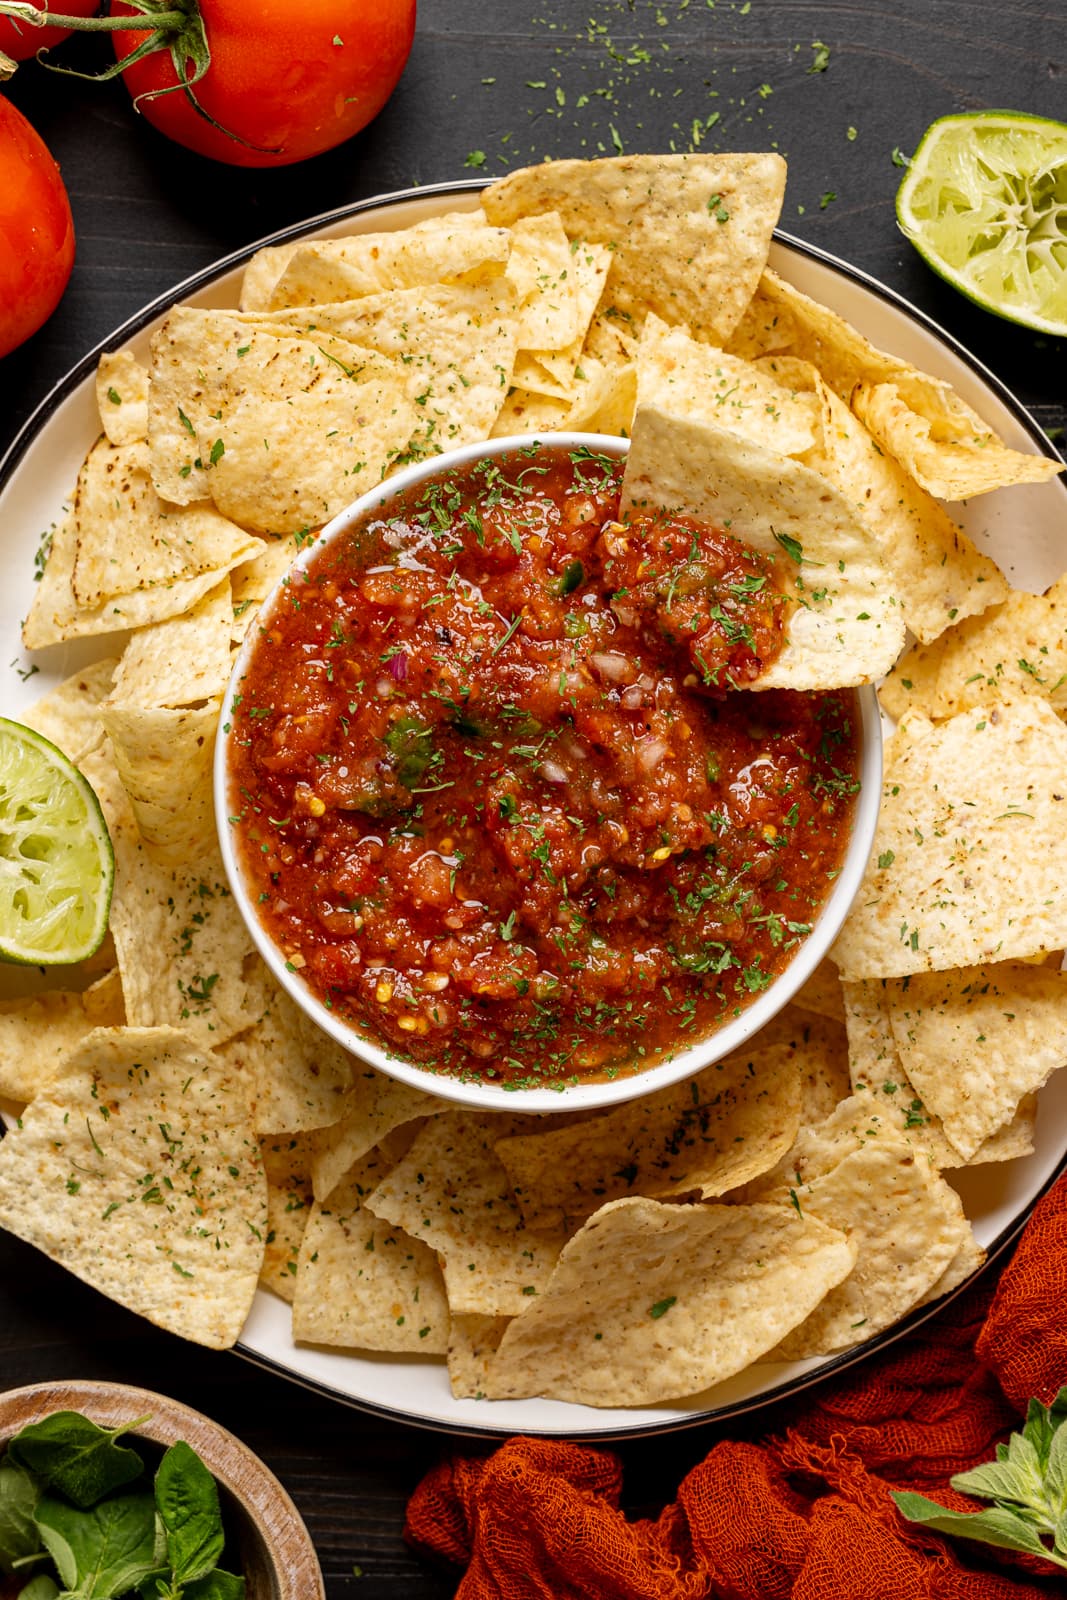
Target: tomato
x=289 y=79
x=36 y=230
x=20 y=41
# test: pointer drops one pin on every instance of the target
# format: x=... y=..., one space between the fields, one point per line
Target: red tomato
x=19 y=40
x=36 y=230
x=290 y=79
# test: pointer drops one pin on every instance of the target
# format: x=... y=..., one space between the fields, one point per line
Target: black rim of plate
x=833 y=1365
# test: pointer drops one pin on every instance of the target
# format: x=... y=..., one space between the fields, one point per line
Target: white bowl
x=487 y=1096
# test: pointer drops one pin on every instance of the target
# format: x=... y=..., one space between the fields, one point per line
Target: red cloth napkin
x=805 y=1514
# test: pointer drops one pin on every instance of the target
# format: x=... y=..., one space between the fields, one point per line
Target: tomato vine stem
x=176 y=28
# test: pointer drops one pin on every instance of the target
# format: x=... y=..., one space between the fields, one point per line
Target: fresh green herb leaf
x=102 y=1552
x=661 y=1307
x=70 y=1453
x=188 y=1504
x=19 y=1536
x=792 y=547
x=573 y=575
x=1027 y=1482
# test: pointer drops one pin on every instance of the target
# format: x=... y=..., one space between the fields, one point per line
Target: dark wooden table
x=485 y=79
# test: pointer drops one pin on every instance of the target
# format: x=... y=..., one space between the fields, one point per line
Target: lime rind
x=985 y=203
x=57 y=867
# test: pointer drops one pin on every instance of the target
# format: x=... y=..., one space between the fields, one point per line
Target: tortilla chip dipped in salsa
x=541 y=776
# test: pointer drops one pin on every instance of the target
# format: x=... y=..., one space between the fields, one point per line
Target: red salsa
x=501 y=790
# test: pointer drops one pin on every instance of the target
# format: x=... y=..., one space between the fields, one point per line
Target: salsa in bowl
x=498 y=797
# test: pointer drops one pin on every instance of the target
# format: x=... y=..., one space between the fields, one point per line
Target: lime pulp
x=985 y=203
x=56 y=863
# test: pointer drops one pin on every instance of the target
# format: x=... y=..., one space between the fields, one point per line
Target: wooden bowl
x=274 y=1549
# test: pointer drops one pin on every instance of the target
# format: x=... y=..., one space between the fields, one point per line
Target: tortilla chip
x=651 y=1302
x=452 y=1192
x=906 y=1224
x=452 y=347
x=181 y=661
x=702 y=1137
x=602 y=401
x=936 y=573
x=330 y=270
x=846 y=628
x=1017 y=647
x=822 y=993
x=164 y=758
x=885 y=1095
x=361 y=1282
x=970 y=850
x=285 y=1163
x=281 y=431
x=947 y=442
x=160 y=544
x=266 y=267
x=372 y=1108
x=180 y=943
x=912 y=684
x=949 y=451
x=975 y=1042
x=297 y=1075
x=820 y=1056
x=687 y=379
x=689 y=233
x=56 y=615
x=37 y=1034
x=122 y=397
x=67 y=715
x=557 y=284
x=969 y=1259
x=137 y=1170
x=473 y=1341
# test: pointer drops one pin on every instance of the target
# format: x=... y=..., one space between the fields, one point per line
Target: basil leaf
x=217 y=1585
x=40 y=1588
x=73 y=1455
x=103 y=1552
x=997 y=1526
x=187 y=1500
x=19 y=1536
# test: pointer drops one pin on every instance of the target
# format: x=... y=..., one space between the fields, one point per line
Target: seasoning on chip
x=946 y=448
x=285 y=1163
x=700 y=1138
x=122 y=397
x=138 y=1170
x=689 y=233
x=279 y=431
x=362 y=1282
x=1014 y=648
x=971 y=846
x=452 y=1192
x=651 y=1302
x=976 y=1042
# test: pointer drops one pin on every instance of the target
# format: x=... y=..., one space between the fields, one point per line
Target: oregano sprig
x=1027 y=1484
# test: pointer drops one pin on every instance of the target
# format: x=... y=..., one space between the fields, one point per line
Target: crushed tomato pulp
x=501 y=790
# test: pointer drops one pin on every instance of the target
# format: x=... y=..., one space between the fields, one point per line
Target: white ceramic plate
x=1021 y=528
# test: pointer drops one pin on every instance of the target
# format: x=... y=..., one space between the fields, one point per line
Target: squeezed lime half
x=56 y=863
x=985 y=203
